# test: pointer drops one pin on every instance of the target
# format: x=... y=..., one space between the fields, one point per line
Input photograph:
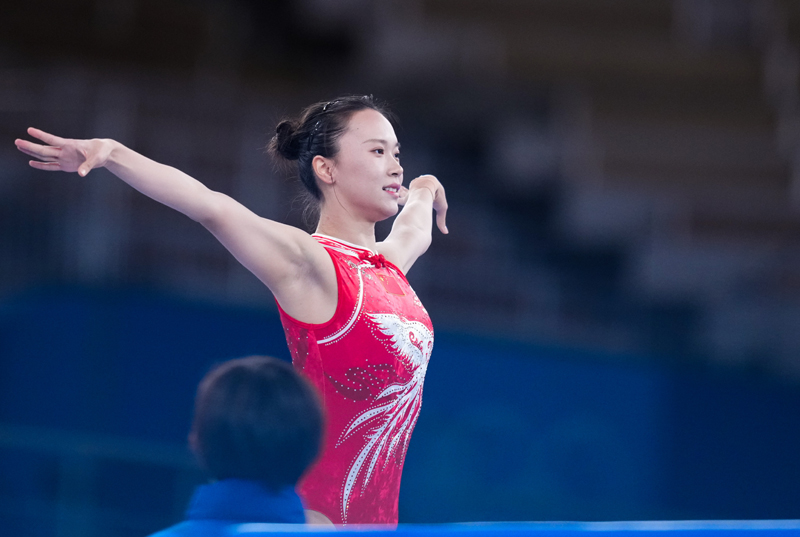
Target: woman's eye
x=397 y=156
x=378 y=151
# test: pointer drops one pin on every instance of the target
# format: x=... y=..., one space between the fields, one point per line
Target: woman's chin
x=385 y=211
x=392 y=211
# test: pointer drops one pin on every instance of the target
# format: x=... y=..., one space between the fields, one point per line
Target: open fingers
x=47 y=138
x=89 y=163
x=41 y=152
x=46 y=166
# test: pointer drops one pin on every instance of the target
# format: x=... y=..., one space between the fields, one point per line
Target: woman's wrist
x=426 y=184
x=429 y=189
x=113 y=148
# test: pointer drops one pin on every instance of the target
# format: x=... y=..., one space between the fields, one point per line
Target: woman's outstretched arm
x=291 y=263
x=411 y=232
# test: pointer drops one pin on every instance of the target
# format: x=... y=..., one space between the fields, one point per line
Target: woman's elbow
x=213 y=212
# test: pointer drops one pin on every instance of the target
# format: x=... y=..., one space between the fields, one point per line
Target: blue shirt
x=217 y=506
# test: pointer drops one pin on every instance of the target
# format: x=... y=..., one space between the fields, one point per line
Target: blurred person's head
x=346 y=152
x=256 y=418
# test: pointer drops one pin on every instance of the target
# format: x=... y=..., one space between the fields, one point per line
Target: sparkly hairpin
x=318 y=124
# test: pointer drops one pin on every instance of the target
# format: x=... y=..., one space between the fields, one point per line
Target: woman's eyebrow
x=380 y=141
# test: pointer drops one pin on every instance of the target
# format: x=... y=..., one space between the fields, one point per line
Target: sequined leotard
x=368 y=363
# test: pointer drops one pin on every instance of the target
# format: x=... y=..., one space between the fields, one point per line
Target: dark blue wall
x=507 y=431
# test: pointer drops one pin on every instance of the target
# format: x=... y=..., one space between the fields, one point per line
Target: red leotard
x=368 y=363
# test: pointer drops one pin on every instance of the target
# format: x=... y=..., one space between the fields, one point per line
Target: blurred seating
x=622 y=172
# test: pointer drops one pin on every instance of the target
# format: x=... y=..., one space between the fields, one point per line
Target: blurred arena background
x=617 y=305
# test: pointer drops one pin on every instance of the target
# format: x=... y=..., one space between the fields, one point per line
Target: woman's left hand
x=432 y=184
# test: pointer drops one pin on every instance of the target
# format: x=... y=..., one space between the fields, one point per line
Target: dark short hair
x=256 y=418
x=316 y=132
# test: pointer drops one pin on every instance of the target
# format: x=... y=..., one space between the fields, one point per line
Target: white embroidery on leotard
x=412 y=342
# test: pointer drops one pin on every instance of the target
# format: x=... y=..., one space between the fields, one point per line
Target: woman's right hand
x=65 y=154
x=270 y=250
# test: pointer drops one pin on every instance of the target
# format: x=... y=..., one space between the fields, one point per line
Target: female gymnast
x=353 y=324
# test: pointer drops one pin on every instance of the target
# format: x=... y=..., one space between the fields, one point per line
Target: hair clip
x=317 y=125
x=313 y=133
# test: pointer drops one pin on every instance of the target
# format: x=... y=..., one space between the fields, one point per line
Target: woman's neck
x=360 y=233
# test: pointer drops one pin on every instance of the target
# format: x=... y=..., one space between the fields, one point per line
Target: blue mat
x=689 y=528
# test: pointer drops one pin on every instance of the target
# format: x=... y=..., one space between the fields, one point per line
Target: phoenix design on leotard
x=412 y=341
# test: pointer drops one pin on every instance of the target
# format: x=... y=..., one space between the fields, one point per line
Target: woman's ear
x=323 y=168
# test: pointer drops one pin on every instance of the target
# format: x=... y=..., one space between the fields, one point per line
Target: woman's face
x=366 y=171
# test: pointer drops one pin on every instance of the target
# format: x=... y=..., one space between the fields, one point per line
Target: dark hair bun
x=285 y=142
